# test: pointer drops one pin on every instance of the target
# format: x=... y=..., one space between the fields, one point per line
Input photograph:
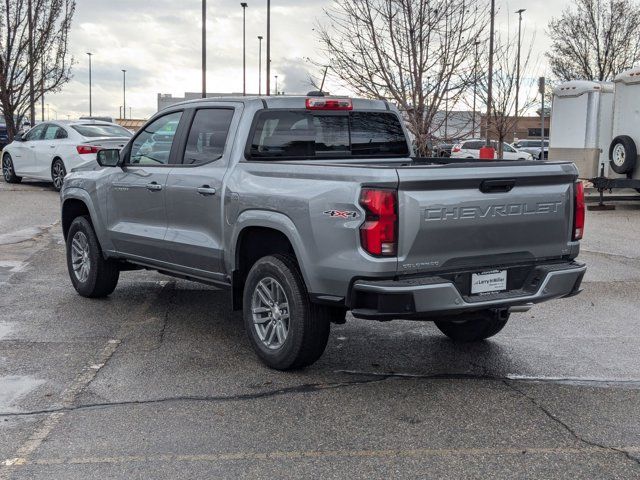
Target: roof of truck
x=290 y=101
x=629 y=76
x=576 y=88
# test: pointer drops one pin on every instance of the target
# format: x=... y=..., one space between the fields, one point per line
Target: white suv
x=471 y=149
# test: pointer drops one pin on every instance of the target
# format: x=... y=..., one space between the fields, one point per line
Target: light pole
x=32 y=102
x=244 y=47
x=519 y=12
x=475 y=90
x=124 y=94
x=260 y=65
x=204 y=48
x=276 y=84
x=90 y=95
x=268 y=47
x=490 y=80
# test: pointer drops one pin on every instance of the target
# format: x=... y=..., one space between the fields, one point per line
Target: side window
x=54 y=132
x=208 y=135
x=36 y=133
x=508 y=148
x=153 y=145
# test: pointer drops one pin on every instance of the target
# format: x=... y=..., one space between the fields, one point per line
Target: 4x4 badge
x=341 y=213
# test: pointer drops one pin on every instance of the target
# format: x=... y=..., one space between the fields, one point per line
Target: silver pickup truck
x=308 y=207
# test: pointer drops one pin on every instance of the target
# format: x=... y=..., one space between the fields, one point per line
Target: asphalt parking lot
x=158 y=381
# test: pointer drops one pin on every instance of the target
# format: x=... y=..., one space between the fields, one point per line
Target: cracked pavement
x=158 y=381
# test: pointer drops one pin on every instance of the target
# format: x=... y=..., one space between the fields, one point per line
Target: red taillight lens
x=456 y=149
x=321 y=103
x=579 y=211
x=86 y=149
x=379 y=232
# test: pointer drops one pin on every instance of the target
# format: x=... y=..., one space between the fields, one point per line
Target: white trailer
x=624 y=148
x=581 y=126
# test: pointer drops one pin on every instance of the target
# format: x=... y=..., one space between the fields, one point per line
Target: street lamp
x=268 y=47
x=124 y=94
x=475 y=90
x=90 y=95
x=276 y=84
x=519 y=12
x=204 y=48
x=260 y=65
x=489 y=149
x=244 y=47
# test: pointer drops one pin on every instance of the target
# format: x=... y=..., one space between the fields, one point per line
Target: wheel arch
x=77 y=202
x=258 y=234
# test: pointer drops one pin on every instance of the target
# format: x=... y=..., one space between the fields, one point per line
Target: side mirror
x=108 y=157
x=18 y=137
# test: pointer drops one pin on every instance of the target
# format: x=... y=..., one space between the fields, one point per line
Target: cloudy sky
x=158 y=43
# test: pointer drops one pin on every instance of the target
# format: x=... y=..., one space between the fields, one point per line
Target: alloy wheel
x=618 y=155
x=7 y=169
x=80 y=256
x=270 y=310
x=58 y=174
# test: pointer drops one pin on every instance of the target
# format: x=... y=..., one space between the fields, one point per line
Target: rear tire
x=474 y=328
x=623 y=155
x=285 y=329
x=92 y=276
x=8 y=171
x=58 y=172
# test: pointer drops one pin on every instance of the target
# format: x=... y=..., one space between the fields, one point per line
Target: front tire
x=8 y=171
x=92 y=276
x=58 y=172
x=285 y=329
x=474 y=328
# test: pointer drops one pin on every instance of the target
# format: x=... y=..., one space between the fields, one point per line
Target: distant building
x=526 y=128
x=133 y=124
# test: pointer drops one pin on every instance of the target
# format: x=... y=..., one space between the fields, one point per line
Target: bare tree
x=415 y=53
x=51 y=62
x=503 y=119
x=596 y=40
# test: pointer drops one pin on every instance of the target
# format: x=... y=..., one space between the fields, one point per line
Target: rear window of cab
x=302 y=134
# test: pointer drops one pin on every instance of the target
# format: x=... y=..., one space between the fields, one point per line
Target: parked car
x=471 y=149
x=533 y=147
x=308 y=207
x=51 y=149
x=4 y=136
x=443 y=150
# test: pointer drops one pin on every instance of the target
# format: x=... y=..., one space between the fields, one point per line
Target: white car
x=51 y=149
x=471 y=149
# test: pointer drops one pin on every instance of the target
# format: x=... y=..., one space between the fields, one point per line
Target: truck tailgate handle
x=497 y=186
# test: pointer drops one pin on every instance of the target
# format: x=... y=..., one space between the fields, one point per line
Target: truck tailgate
x=481 y=215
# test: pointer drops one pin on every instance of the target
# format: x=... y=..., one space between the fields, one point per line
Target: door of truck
x=195 y=196
x=136 y=204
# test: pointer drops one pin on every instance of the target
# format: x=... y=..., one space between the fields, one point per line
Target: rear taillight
x=579 y=211
x=379 y=232
x=329 y=104
x=455 y=149
x=87 y=149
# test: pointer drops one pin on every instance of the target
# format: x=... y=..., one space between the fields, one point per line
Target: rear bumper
x=423 y=297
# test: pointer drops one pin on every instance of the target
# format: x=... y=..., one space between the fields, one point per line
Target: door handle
x=154 y=186
x=497 y=186
x=206 y=190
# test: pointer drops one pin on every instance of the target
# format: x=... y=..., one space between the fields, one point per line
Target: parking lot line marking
x=68 y=397
x=301 y=455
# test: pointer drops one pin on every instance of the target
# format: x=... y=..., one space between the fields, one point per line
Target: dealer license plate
x=485 y=282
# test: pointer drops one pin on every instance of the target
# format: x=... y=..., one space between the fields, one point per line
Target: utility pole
x=490 y=80
x=541 y=88
x=475 y=90
x=42 y=85
x=519 y=12
x=244 y=6
x=90 y=93
x=32 y=102
x=260 y=66
x=276 y=84
x=124 y=94
x=204 y=48
x=268 y=47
